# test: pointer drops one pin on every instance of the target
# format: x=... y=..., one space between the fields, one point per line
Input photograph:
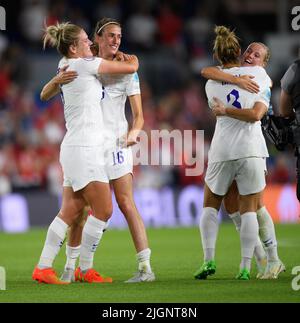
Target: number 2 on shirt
x=234 y=95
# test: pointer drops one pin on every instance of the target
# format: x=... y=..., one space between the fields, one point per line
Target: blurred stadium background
x=173 y=40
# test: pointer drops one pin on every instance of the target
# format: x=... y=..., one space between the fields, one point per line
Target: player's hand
x=127 y=57
x=246 y=83
x=122 y=141
x=119 y=56
x=64 y=76
x=128 y=140
x=218 y=108
x=132 y=137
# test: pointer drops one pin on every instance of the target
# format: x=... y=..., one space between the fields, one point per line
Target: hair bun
x=222 y=31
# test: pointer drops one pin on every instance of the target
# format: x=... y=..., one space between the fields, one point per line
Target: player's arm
x=138 y=119
x=52 y=88
x=285 y=104
x=118 y=67
x=249 y=115
x=243 y=81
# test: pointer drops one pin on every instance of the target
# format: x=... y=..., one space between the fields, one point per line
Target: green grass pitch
x=176 y=254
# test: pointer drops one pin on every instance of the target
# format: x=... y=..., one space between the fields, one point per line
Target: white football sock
x=248 y=236
x=72 y=254
x=54 y=240
x=259 y=252
x=91 y=236
x=209 y=230
x=267 y=233
x=143 y=258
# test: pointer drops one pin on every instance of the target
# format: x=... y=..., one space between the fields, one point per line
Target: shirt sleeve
x=290 y=77
x=265 y=83
x=264 y=97
x=133 y=86
x=88 y=66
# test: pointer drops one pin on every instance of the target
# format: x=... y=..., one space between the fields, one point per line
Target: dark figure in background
x=290 y=107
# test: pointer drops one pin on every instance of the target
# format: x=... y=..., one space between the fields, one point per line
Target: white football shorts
x=82 y=165
x=249 y=174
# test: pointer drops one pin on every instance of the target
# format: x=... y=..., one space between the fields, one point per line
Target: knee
x=108 y=210
x=71 y=214
x=103 y=212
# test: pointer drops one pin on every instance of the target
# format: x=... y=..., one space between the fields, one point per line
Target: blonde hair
x=267 y=49
x=62 y=36
x=227 y=48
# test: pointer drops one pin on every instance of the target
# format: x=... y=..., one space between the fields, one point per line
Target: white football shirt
x=116 y=89
x=235 y=139
x=81 y=98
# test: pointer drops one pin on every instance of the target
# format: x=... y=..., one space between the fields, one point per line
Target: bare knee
x=98 y=196
x=70 y=213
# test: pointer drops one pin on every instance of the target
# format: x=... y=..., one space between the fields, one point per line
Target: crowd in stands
x=173 y=42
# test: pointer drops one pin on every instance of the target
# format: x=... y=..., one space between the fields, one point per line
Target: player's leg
x=72 y=205
x=268 y=236
x=250 y=180
x=73 y=246
x=209 y=222
x=248 y=232
x=231 y=204
x=123 y=188
x=209 y=230
x=218 y=179
x=98 y=196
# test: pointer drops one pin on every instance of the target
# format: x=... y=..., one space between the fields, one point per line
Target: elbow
x=43 y=96
x=132 y=68
x=256 y=117
x=204 y=72
x=135 y=67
